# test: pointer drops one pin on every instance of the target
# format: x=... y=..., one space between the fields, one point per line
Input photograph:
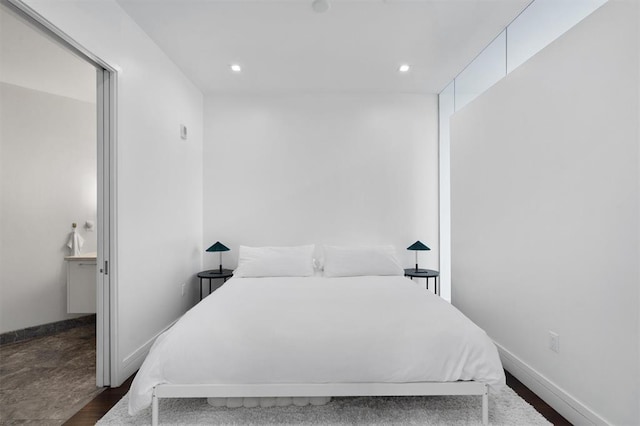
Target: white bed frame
x=324 y=389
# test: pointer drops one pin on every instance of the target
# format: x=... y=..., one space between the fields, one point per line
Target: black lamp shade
x=218 y=246
x=418 y=246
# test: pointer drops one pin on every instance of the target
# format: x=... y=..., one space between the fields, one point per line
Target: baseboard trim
x=45 y=329
x=561 y=401
x=132 y=362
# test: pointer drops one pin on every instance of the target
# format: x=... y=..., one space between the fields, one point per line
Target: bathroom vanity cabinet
x=81 y=283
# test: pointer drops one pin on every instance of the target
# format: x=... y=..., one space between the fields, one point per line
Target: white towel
x=75 y=242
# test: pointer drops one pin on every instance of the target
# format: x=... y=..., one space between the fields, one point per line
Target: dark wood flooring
x=542 y=407
x=101 y=404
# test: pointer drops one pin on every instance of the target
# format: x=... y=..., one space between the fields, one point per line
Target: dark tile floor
x=47 y=379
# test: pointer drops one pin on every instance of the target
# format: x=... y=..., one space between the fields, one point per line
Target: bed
x=321 y=336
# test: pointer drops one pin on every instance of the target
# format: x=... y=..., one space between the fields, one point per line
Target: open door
x=106 y=213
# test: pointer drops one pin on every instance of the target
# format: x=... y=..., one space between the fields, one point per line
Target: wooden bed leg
x=485 y=406
x=154 y=409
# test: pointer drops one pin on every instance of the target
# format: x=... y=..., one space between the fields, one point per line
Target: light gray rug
x=506 y=408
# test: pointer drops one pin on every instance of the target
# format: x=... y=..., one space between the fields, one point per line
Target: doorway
x=103 y=178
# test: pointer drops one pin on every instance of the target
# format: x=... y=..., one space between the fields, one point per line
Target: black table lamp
x=417 y=246
x=219 y=247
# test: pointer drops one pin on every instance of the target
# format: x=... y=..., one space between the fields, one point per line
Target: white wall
x=47 y=181
x=159 y=176
x=546 y=218
x=47 y=170
x=541 y=22
x=483 y=72
x=321 y=168
x=32 y=59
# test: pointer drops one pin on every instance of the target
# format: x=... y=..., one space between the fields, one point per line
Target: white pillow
x=275 y=262
x=359 y=261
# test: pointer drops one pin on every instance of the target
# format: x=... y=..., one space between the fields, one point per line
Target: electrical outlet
x=554 y=341
x=183 y=287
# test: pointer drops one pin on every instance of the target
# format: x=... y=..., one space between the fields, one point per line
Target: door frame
x=106 y=215
x=106 y=279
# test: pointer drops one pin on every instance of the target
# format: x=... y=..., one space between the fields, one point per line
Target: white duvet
x=319 y=330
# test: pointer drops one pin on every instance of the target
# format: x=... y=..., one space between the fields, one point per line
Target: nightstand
x=214 y=274
x=426 y=274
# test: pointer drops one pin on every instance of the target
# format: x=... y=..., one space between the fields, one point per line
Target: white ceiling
x=283 y=45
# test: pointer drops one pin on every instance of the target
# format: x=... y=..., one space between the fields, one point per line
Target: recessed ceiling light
x=320 y=6
x=235 y=67
x=404 y=68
